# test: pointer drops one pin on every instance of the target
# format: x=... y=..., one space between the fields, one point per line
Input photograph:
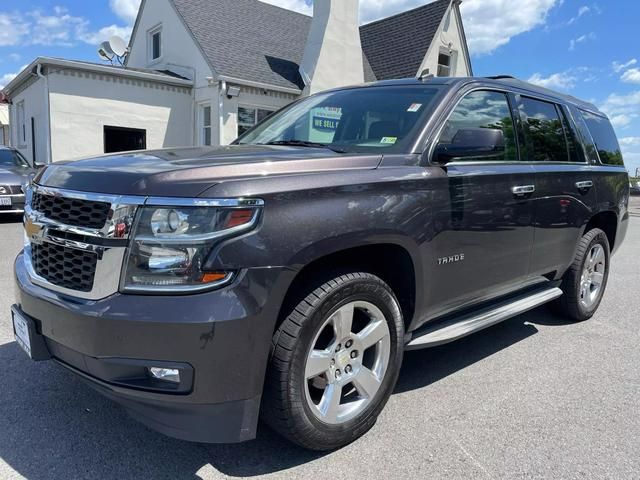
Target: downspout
x=41 y=75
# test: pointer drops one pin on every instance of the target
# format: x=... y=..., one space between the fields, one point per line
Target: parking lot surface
x=534 y=397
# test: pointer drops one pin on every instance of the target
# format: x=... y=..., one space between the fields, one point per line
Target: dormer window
x=446 y=63
x=155 y=44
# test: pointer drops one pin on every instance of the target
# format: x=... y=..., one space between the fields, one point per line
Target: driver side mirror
x=470 y=143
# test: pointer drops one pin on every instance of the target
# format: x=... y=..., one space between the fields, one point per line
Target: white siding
x=447 y=32
x=179 y=50
x=82 y=104
x=35 y=107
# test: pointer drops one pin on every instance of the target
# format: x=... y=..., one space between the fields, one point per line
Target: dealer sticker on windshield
x=414 y=107
x=389 y=140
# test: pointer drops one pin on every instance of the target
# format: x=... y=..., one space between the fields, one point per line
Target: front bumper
x=221 y=337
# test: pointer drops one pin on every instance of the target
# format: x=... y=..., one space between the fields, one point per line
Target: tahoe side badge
x=459 y=257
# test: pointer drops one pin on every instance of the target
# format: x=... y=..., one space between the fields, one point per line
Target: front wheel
x=335 y=361
x=585 y=282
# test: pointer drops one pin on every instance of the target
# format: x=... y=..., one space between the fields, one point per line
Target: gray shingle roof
x=396 y=46
x=256 y=41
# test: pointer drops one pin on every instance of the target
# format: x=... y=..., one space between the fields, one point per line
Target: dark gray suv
x=283 y=277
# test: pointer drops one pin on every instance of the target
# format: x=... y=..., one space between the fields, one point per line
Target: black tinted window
x=484 y=110
x=604 y=138
x=353 y=120
x=546 y=140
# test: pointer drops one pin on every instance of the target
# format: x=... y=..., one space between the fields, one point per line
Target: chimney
x=333 y=54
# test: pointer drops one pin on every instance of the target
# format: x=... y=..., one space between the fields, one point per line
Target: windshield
x=11 y=158
x=354 y=120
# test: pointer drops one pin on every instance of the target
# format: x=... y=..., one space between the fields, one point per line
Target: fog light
x=166 y=374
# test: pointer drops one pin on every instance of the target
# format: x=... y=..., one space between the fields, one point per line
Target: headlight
x=170 y=245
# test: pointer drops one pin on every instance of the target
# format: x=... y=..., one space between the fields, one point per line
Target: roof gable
x=259 y=42
x=396 y=46
x=248 y=39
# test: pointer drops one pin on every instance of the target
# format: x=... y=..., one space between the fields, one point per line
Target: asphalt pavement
x=534 y=397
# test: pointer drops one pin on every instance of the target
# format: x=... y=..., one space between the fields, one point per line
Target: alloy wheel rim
x=347 y=362
x=592 y=277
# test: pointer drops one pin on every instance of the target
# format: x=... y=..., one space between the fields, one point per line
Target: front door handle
x=586 y=185
x=522 y=190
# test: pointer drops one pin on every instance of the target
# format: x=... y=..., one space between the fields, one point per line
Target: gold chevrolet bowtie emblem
x=31 y=228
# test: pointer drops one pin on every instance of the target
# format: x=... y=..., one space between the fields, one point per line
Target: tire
x=578 y=303
x=299 y=407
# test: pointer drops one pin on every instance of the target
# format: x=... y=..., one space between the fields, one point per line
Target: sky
x=587 y=48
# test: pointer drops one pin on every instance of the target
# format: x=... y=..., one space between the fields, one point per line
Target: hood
x=187 y=172
x=14 y=175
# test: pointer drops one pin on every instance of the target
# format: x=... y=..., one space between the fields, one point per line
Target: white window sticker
x=414 y=107
x=389 y=140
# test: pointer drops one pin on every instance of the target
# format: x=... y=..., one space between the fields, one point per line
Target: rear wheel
x=335 y=361
x=585 y=282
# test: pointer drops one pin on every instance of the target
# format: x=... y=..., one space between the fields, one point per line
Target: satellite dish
x=105 y=51
x=118 y=46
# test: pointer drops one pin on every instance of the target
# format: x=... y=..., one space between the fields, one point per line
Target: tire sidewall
x=377 y=293
x=599 y=238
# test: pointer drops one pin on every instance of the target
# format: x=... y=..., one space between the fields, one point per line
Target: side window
x=481 y=122
x=544 y=130
x=604 y=138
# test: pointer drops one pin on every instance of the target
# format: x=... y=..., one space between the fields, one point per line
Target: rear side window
x=546 y=128
x=482 y=110
x=604 y=138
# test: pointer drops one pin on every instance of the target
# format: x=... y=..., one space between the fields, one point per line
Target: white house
x=201 y=72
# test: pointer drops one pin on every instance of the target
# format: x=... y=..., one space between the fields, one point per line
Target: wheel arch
x=607 y=221
x=394 y=262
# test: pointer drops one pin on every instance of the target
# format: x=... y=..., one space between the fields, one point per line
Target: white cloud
x=489 y=24
x=557 y=81
x=618 y=67
x=127 y=10
x=105 y=33
x=622 y=109
x=631 y=76
x=581 y=39
x=15 y=57
x=296 y=5
x=57 y=28
x=630 y=141
x=7 y=77
x=12 y=29
x=583 y=10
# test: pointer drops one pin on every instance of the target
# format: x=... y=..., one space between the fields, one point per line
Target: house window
x=446 y=63
x=155 y=44
x=22 y=125
x=249 y=117
x=205 y=125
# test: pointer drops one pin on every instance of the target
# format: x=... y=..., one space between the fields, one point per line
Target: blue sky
x=589 y=49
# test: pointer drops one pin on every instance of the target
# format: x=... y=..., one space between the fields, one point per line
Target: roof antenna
x=425 y=75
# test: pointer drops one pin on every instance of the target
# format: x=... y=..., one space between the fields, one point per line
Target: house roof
x=146 y=74
x=259 y=42
x=396 y=46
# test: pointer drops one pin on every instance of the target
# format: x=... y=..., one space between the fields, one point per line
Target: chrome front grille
x=11 y=190
x=65 y=267
x=72 y=211
x=75 y=242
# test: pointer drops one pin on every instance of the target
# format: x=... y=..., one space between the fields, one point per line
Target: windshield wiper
x=304 y=143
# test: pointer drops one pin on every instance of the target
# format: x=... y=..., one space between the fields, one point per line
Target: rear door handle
x=522 y=190
x=586 y=185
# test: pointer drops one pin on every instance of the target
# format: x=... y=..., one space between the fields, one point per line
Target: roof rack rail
x=502 y=77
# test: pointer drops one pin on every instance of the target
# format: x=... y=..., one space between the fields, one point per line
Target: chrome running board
x=456 y=328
